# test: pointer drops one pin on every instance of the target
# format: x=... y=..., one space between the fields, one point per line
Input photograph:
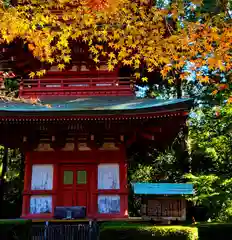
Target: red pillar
x=27 y=185
x=124 y=183
x=55 y=186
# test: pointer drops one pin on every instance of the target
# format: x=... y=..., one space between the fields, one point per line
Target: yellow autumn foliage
x=134 y=32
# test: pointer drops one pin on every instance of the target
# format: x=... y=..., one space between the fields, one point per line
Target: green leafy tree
x=11 y=185
x=210 y=151
x=214 y=193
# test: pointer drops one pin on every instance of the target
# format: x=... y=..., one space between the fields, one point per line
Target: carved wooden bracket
x=68 y=147
x=83 y=147
x=109 y=146
x=44 y=147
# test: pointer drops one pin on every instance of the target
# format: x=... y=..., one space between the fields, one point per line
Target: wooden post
x=56 y=176
x=27 y=183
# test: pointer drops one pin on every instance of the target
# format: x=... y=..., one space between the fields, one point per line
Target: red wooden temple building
x=75 y=148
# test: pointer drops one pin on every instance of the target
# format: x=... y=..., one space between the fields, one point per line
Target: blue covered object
x=163 y=188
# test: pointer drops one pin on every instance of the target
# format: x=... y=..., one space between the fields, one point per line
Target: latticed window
x=81 y=177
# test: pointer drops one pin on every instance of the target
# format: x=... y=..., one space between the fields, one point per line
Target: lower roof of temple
x=93 y=106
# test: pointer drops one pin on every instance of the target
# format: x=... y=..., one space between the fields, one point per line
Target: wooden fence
x=65 y=231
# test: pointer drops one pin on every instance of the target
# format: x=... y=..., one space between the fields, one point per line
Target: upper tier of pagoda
x=78 y=82
x=82 y=77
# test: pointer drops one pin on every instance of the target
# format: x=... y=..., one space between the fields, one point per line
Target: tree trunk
x=178 y=88
x=2 y=179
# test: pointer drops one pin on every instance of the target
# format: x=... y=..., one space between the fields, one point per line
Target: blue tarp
x=163 y=188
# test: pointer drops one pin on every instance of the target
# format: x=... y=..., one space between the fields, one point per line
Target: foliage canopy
x=163 y=36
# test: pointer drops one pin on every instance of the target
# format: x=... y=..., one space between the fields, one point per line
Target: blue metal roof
x=163 y=188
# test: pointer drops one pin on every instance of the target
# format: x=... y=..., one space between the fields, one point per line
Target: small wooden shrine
x=163 y=201
x=75 y=142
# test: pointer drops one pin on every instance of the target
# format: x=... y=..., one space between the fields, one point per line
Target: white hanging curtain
x=109 y=204
x=40 y=204
x=42 y=177
x=108 y=176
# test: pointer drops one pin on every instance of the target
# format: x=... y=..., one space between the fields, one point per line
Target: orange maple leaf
x=212 y=62
x=204 y=79
x=215 y=92
x=102 y=4
x=229 y=100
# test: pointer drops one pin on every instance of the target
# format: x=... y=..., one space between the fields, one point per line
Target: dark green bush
x=145 y=232
x=215 y=231
x=15 y=229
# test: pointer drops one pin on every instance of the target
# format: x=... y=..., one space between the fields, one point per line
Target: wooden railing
x=84 y=86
